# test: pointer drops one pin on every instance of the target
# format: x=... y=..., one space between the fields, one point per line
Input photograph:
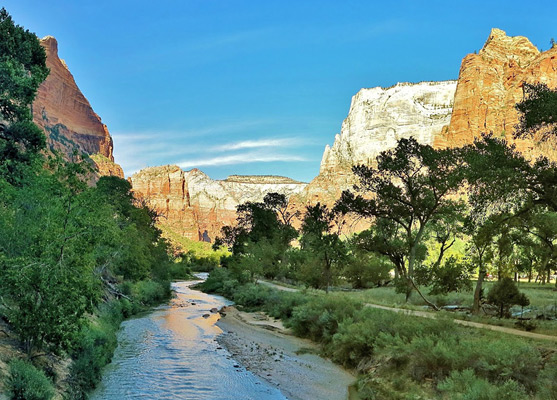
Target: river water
x=171 y=353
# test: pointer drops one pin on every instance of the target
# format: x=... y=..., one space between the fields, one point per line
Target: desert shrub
x=282 y=304
x=149 y=293
x=320 y=317
x=27 y=382
x=436 y=356
x=251 y=296
x=547 y=384
x=466 y=385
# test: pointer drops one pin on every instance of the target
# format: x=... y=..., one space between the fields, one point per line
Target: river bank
x=291 y=364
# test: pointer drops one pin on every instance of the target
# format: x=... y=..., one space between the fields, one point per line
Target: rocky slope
x=490 y=84
x=67 y=117
x=196 y=206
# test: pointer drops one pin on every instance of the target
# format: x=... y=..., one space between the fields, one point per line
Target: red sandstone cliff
x=490 y=84
x=67 y=117
x=193 y=205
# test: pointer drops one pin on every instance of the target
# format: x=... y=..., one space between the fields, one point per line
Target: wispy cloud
x=243 y=158
x=253 y=144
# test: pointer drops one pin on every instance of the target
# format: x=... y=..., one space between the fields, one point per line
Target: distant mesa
x=193 y=205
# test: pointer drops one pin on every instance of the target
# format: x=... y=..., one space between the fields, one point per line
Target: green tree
x=538 y=112
x=505 y=294
x=260 y=239
x=22 y=69
x=323 y=247
x=412 y=188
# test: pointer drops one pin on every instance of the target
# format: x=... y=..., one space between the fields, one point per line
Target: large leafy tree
x=323 y=248
x=538 y=112
x=22 y=69
x=261 y=237
x=412 y=188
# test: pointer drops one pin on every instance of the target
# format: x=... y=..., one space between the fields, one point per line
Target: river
x=171 y=353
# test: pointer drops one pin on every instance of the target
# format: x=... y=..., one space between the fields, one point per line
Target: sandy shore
x=265 y=348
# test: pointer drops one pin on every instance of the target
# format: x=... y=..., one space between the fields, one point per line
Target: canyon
x=441 y=114
x=192 y=205
x=67 y=118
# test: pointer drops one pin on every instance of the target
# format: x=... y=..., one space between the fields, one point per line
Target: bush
x=28 y=383
x=282 y=304
x=356 y=338
x=466 y=385
x=505 y=294
x=321 y=316
x=150 y=293
x=251 y=296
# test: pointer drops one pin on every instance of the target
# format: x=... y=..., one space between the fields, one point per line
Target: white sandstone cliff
x=379 y=117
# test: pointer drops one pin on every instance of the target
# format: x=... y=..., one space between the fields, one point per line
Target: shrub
x=505 y=294
x=282 y=304
x=149 y=293
x=28 y=383
x=466 y=385
x=320 y=317
x=251 y=296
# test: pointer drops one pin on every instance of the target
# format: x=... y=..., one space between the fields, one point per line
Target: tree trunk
x=479 y=284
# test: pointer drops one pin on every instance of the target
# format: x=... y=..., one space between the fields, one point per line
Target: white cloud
x=253 y=144
x=243 y=158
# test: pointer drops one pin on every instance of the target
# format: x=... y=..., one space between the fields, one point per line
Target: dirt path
x=428 y=314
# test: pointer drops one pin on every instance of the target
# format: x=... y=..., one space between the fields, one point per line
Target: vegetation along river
x=172 y=353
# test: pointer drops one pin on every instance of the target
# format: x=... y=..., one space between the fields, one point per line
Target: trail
x=428 y=314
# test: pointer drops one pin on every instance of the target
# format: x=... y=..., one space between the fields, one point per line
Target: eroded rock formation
x=196 y=206
x=379 y=117
x=67 y=117
x=490 y=84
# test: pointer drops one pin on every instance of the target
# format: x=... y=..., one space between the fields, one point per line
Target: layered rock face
x=379 y=117
x=67 y=117
x=196 y=206
x=490 y=84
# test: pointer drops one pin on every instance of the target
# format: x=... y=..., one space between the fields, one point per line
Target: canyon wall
x=440 y=114
x=195 y=206
x=377 y=119
x=490 y=84
x=67 y=118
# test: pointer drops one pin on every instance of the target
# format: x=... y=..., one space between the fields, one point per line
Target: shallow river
x=171 y=353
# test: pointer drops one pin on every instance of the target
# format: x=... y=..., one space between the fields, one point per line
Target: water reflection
x=172 y=354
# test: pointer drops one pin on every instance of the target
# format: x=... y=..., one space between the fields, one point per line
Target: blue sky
x=257 y=87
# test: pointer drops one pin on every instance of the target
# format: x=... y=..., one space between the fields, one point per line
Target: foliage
x=465 y=385
x=27 y=382
x=413 y=190
x=504 y=294
x=453 y=276
x=320 y=317
x=260 y=239
x=324 y=251
x=22 y=69
x=538 y=112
